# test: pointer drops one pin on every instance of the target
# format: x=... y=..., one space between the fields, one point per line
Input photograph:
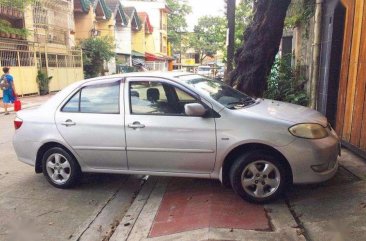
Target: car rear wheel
x=60 y=168
x=258 y=177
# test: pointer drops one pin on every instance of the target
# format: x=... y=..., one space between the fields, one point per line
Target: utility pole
x=230 y=15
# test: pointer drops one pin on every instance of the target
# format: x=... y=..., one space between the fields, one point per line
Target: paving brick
x=191 y=204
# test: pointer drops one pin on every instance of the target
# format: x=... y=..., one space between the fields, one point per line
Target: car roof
x=160 y=74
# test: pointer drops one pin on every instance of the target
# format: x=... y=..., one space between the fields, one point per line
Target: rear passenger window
x=99 y=99
x=73 y=104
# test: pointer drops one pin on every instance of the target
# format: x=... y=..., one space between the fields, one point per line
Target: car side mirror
x=195 y=109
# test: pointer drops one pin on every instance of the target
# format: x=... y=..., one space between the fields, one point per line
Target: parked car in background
x=176 y=124
x=220 y=74
x=204 y=70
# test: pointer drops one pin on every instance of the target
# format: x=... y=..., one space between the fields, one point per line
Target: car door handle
x=68 y=123
x=136 y=125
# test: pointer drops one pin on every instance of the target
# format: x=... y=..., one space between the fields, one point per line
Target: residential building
x=122 y=35
x=48 y=45
x=93 y=18
x=137 y=44
x=157 y=12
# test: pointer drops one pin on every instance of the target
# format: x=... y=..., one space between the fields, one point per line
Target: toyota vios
x=176 y=124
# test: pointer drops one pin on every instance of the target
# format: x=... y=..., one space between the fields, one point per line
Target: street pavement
x=122 y=207
x=28 y=102
x=31 y=209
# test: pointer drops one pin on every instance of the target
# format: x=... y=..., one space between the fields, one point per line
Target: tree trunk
x=230 y=15
x=262 y=38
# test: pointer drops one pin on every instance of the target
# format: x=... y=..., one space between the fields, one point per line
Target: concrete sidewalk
x=29 y=102
x=195 y=209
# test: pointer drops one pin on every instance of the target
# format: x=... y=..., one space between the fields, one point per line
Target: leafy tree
x=209 y=36
x=243 y=17
x=285 y=83
x=254 y=59
x=17 y=4
x=177 y=21
x=96 y=51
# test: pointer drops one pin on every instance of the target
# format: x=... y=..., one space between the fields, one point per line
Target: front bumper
x=304 y=154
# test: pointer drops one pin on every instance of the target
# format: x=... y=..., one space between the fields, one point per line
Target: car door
x=92 y=122
x=160 y=137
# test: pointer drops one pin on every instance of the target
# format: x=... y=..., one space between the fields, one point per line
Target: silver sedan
x=176 y=124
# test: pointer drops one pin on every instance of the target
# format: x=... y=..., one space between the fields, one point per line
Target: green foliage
x=177 y=21
x=209 y=36
x=43 y=82
x=243 y=17
x=300 y=12
x=285 y=84
x=96 y=51
x=17 y=4
x=5 y=27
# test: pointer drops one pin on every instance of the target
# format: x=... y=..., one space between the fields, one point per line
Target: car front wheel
x=258 y=177
x=60 y=168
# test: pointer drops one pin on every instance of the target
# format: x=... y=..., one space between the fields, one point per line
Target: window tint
x=101 y=99
x=183 y=96
x=73 y=104
x=156 y=98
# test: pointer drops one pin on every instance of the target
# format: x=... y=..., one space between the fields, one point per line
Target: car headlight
x=309 y=131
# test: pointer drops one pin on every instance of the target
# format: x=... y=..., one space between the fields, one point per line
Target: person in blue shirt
x=7 y=85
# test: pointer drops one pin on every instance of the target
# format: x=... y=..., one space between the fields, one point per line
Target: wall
x=150 y=43
x=24 y=80
x=138 y=40
x=106 y=27
x=123 y=40
x=84 y=23
x=63 y=77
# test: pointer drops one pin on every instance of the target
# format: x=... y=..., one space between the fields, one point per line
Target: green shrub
x=43 y=82
x=285 y=84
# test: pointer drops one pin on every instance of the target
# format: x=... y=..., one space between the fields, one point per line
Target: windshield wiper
x=241 y=103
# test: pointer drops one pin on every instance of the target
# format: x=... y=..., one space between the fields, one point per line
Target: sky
x=204 y=7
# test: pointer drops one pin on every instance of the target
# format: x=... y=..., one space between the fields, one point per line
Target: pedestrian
x=7 y=85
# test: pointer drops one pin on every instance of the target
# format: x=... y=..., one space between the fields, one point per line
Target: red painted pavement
x=190 y=204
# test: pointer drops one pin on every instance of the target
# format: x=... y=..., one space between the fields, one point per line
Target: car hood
x=286 y=111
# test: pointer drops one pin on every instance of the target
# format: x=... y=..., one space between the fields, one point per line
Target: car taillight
x=18 y=123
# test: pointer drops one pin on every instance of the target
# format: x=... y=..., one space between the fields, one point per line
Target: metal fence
x=22 y=55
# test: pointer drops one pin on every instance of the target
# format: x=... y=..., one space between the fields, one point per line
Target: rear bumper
x=303 y=155
x=26 y=151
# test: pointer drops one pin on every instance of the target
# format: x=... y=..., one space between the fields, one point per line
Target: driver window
x=157 y=98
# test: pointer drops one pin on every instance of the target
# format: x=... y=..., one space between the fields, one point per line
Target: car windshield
x=219 y=91
x=203 y=69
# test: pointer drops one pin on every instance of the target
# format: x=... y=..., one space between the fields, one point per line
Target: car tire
x=258 y=177
x=60 y=168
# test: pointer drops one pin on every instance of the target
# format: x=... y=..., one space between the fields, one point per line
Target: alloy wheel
x=260 y=179
x=58 y=168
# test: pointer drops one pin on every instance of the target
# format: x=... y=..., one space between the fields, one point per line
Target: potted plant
x=23 y=33
x=5 y=27
x=13 y=34
x=43 y=82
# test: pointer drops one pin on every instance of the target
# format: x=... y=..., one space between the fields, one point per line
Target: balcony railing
x=10 y=12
